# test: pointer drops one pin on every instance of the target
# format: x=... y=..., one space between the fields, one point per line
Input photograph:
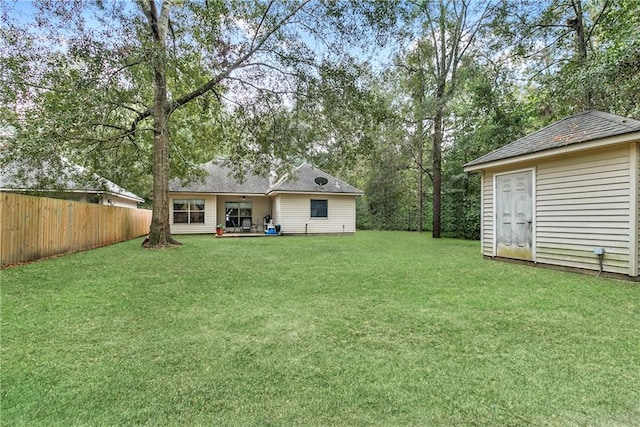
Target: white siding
x=121 y=202
x=487 y=214
x=293 y=213
x=583 y=202
x=209 y=226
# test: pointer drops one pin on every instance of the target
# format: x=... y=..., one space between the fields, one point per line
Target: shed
x=561 y=195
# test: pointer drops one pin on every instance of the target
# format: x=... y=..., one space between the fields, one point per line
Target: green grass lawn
x=380 y=328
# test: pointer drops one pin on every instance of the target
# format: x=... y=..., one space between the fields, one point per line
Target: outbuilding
x=566 y=195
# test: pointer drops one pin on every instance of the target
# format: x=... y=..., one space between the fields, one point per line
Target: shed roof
x=221 y=179
x=576 y=129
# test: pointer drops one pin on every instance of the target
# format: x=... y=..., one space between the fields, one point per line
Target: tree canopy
x=159 y=87
x=394 y=96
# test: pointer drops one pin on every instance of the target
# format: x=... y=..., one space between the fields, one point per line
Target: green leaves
x=267 y=83
x=575 y=51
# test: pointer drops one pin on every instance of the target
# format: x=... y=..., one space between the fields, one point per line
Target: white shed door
x=514 y=215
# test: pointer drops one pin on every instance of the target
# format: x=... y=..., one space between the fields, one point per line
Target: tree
x=579 y=54
x=616 y=61
x=413 y=70
x=190 y=68
x=487 y=115
x=446 y=31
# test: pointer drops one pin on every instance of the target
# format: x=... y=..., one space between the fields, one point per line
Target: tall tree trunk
x=438 y=129
x=420 y=149
x=577 y=25
x=419 y=113
x=420 y=161
x=160 y=230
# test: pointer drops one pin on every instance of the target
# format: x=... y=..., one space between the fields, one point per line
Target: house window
x=319 y=208
x=237 y=212
x=188 y=211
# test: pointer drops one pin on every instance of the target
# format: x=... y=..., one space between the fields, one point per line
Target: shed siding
x=487 y=214
x=294 y=214
x=209 y=225
x=583 y=202
x=637 y=225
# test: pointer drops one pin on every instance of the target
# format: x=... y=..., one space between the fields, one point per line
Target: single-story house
x=566 y=195
x=306 y=201
x=74 y=183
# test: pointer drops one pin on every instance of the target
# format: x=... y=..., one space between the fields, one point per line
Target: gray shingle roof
x=581 y=127
x=221 y=179
x=69 y=179
x=302 y=180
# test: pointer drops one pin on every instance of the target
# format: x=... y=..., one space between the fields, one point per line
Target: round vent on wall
x=321 y=180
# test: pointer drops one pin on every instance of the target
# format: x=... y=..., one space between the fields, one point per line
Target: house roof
x=303 y=180
x=221 y=179
x=576 y=129
x=67 y=181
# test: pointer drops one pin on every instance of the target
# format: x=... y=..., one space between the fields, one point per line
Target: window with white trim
x=188 y=211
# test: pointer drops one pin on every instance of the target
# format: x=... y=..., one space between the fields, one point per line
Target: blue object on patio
x=271 y=230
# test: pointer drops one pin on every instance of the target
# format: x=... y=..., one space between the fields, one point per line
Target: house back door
x=514 y=215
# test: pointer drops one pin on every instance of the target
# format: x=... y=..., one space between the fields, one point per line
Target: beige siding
x=487 y=214
x=277 y=210
x=583 y=202
x=209 y=225
x=636 y=148
x=261 y=208
x=292 y=212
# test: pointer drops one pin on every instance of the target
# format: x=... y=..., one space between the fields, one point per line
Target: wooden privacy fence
x=37 y=227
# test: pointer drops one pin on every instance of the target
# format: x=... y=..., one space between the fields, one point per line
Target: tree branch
x=163 y=20
x=545 y=68
x=126 y=107
x=262 y=19
x=597 y=20
x=547 y=46
x=125 y=66
x=213 y=82
x=269 y=66
x=33 y=85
